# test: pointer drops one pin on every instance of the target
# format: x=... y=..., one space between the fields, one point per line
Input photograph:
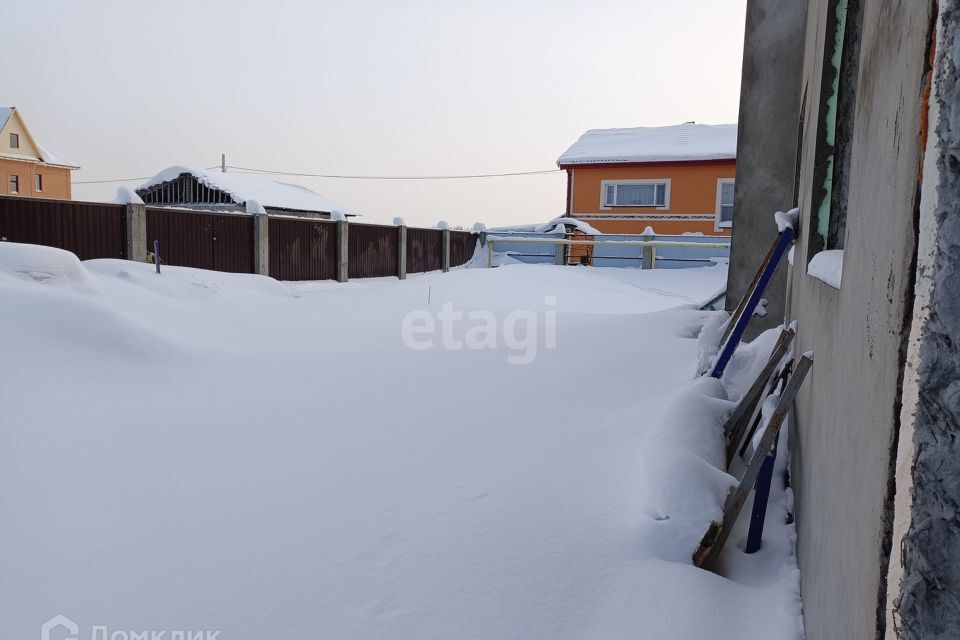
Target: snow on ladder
x=754 y=293
x=716 y=536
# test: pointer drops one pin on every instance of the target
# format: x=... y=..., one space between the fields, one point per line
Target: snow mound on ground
x=683 y=462
x=50 y=295
x=185 y=283
x=708 y=342
x=38 y=263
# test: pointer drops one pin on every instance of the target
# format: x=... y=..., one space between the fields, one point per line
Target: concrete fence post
x=136 y=223
x=402 y=252
x=560 y=249
x=343 y=251
x=446 y=250
x=261 y=244
x=649 y=259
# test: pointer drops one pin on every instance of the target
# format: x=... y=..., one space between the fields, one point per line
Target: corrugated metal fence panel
x=88 y=229
x=303 y=249
x=462 y=245
x=424 y=250
x=373 y=250
x=200 y=239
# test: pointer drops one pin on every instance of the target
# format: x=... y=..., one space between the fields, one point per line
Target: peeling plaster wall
x=925 y=569
x=847 y=416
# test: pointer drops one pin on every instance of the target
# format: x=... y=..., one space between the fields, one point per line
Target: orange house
x=677 y=179
x=26 y=168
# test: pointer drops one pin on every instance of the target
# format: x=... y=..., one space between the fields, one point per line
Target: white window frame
x=12 y=179
x=717 y=223
x=14 y=137
x=38 y=182
x=607 y=207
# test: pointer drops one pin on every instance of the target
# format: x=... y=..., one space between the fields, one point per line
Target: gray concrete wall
x=766 y=145
x=846 y=418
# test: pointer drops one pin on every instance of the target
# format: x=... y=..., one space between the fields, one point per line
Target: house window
x=14 y=184
x=14 y=140
x=724 y=210
x=636 y=193
x=38 y=183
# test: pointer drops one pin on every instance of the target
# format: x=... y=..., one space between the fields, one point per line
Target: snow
x=204 y=450
x=126 y=195
x=687 y=141
x=254 y=207
x=479 y=227
x=243 y=187
x=579 y=225
x=760 y=310
x=827 y=266
x=51 y=157
x=786 y=220
x=399 y=222
x=443 y=224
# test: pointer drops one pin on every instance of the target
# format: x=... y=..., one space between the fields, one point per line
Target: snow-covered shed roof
x=682 y=142
x=243 y=187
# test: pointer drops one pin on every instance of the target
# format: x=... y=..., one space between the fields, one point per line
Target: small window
x=14 y=184
x=636 y=193
x=14 y=140
x=38 y=183
x=724 y=203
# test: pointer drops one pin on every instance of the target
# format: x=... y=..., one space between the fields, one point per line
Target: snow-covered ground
x=209 y=451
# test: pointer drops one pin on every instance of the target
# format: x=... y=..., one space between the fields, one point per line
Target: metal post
x=761 y=495
x=156 y=254
x=223 y=162
x=646 y=259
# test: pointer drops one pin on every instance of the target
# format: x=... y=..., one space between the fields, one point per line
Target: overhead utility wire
x=124 y=179
x=437 y=177
x=346 y=177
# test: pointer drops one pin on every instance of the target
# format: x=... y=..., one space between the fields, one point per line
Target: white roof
x=243 y=187
x=654 y=144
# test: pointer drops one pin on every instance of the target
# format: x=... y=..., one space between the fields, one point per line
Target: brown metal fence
x=424 y=250
x=218 y=241
x=300 y=249
x=303 y=249
x=373 y=250
x=88 y=229
x=462 y=245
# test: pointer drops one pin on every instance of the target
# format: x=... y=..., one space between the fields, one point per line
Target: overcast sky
x=126 y=88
